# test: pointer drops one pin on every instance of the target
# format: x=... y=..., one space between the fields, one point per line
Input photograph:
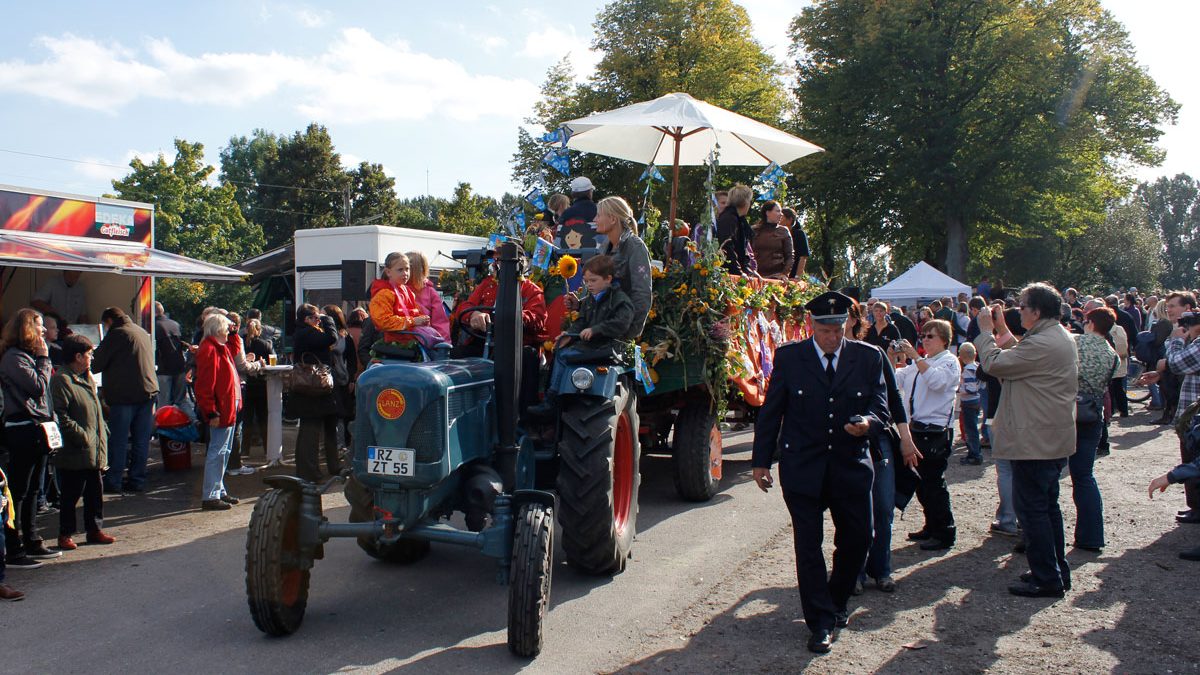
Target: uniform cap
x=830 y=308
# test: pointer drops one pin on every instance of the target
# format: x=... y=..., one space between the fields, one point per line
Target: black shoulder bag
x=1090 y=409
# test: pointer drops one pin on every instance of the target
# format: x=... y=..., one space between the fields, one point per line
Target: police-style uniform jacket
x=804 y=417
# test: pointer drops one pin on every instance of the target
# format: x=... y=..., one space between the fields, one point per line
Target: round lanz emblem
x=390 y=404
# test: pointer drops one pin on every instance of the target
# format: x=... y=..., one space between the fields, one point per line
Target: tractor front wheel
x=696 y=456
x=362 y=510
x=276 y=576
x=598 y=480
x=529 y=579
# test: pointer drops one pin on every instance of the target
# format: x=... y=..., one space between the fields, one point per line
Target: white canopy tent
x=920 y=283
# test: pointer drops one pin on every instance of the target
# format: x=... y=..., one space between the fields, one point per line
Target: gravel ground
x=1134 y=607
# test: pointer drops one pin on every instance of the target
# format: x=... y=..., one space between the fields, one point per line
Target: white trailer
x=332 y=264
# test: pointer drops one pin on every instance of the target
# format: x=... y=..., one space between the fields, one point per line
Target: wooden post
x=678 y=136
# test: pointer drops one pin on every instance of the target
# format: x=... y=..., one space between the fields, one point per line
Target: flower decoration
x=567 y=267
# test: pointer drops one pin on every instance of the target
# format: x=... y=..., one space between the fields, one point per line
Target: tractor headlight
x=582 y=378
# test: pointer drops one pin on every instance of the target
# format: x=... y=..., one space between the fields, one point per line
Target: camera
x=1189 y=319
x=896 y=345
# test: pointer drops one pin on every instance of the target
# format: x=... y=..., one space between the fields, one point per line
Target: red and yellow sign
x=390 y=404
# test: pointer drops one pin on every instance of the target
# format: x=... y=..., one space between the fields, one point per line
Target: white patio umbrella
x=683 y=131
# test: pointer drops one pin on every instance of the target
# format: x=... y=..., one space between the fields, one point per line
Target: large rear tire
x=362 y=510
x=696 y=456
x=276 y=577
x=529 y=579
x=598 y=481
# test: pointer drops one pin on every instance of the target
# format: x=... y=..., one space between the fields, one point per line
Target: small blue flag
x=641 y=371
x=653 y=173
x=772 y=174
x=494 y=240
x=541 y=254
x=768 y=194
x=535 y=197
x=557 y=159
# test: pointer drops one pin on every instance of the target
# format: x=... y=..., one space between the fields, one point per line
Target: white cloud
x=105 y=169
x=358 y=78
x=312 y=18
x=554 y=43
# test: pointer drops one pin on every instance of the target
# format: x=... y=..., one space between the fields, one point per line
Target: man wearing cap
x=827 y=394
x=582 y=209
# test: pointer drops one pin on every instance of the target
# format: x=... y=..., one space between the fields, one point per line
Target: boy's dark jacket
x=609 y=319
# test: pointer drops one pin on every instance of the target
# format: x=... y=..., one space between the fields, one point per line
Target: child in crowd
x=429 y=301
x=968 y=401
x=394 y=308
x=604 y=319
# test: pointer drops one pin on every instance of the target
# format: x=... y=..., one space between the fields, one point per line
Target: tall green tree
x=651 y=48
x=1173 y=209
x=373 y=195
x=952 y=126
x=194 y=218
x=466 y=213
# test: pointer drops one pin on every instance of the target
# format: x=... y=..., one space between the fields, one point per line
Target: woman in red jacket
x=218 y=398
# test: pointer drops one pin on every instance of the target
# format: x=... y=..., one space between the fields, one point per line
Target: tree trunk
x=956 y=248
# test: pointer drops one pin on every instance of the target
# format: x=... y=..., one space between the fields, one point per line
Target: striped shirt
x=968 y=388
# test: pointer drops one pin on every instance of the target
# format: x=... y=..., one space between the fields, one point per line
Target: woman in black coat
x=316 y=334
x=735 y=234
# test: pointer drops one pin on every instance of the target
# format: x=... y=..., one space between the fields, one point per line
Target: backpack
x=1145 y=349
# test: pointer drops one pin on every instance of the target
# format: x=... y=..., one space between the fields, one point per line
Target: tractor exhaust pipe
x=507 y=356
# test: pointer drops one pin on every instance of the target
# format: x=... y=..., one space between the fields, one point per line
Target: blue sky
x=416 y=86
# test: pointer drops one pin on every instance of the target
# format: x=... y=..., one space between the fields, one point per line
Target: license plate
x=391 y=461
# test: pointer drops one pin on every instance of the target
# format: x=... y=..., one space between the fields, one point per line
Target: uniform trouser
x=1035 y=493
x=821 y=595
x=883 y=508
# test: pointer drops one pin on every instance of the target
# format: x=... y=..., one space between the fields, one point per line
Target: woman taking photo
x=428 y=298
x=316 y=334
x=928 y=388
x=773 y=243
x=1097 y=362
x=25 y=381
x=218 y=390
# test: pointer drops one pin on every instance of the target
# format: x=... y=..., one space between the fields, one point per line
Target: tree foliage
x=651 y=48
x=952 y=126
x=466 y=213
x=1173 y=208
x=192 y=217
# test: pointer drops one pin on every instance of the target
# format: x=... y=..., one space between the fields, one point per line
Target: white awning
x=24 y=249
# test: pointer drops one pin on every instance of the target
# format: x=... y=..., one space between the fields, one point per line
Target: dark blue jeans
x=970 y=423
x=1089 y=508
x=1035 y=498
x=883 y=507
x=129 y=426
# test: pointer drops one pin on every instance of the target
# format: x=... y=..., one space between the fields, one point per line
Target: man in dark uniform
x=827 y=394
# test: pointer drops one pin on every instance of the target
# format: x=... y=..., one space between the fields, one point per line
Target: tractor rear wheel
x=362 y=510
x=696 y=456
x=598 y=481
x=276 y=577
x=529 y=579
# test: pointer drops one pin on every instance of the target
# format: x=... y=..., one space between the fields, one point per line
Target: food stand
x=110 y=241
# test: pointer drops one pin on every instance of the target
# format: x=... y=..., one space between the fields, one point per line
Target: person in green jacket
x=84 y=454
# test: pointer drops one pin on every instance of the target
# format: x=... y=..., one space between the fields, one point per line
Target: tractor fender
x=286 y=483
x=543 y=497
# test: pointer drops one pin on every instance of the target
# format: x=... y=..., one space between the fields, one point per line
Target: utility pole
x=346 y=206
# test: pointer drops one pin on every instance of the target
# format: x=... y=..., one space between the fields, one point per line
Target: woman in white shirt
x=928 y=387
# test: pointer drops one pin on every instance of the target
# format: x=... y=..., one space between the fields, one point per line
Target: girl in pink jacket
x=428 y=297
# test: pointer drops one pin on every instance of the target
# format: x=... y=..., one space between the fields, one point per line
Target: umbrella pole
x=675 y=181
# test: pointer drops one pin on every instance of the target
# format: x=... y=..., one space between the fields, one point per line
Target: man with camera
x=1183 y=359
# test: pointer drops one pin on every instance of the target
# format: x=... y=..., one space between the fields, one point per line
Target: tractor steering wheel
x=465 y=325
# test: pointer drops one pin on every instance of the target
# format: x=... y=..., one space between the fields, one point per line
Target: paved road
x=170 y=593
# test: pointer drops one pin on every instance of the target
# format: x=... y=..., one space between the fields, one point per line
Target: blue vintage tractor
x=439 y=437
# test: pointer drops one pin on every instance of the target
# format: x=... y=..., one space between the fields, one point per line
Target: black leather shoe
x=1092 y=549
x=841 y=619
x=919 y=535
x=937 y=544
x=821 y=641
x=214 y=505
x=1193 y=554
x=1191 y=518
x=230 y=500
x=1029 y=590
x=1027 y=577
x=1183 y=512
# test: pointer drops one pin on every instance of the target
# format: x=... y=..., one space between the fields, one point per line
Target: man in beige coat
x=1035 y=426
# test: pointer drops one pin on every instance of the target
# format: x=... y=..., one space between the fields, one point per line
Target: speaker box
x=357 y=276
x=289 y=317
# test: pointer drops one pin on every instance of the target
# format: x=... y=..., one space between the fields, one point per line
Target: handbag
x=1090 y=409
x=311 y=379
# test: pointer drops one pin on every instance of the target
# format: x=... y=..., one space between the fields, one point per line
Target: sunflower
x=567 y=267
